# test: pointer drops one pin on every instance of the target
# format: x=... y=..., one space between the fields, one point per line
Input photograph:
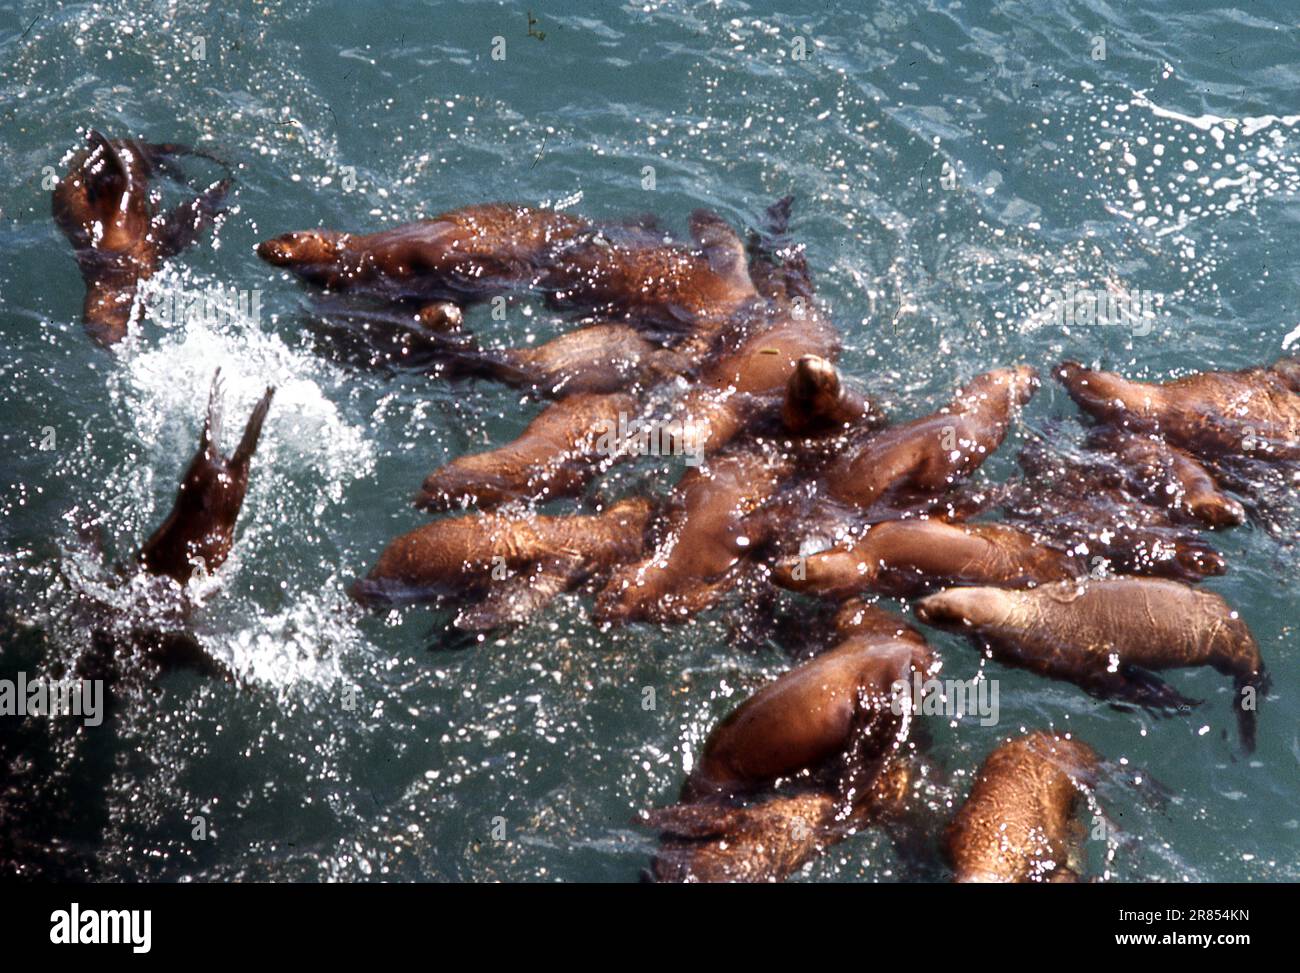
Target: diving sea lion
x=1083 y=506
x=770 y=839
x=556 y=456
x=1019 y=823
x=922 y=459
x=839 y=714
x=1171 y=477
x=109 y=212
x=908 y=557
x=1106 y=636
x=1254 y=411
x=516 y=563
x=715 y=522
x=201 y=526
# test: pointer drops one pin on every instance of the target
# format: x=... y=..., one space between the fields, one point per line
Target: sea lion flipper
x=692 y=820
x=512 y=601
x=1146 y=689
x=181 y=226
x=253 y=430
x=210 y=438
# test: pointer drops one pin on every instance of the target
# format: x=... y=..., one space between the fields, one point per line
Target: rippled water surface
x=951 y=162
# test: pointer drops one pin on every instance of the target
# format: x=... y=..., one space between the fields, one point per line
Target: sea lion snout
x=958 y=608
x=303 y=251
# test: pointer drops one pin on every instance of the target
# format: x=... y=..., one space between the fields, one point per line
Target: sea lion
x=769 y=839
x=1253 y=411
x=1170 y=477
x=107 y=208
x=714 y=524
x=818 y=400
x=909 y=557
x=857 y=617
x=1106 y=636
x=200 y=529
x=922 y=459
x=838 y=715
x=555 y=456
x=513 y=564
x=1019 y=823
x=476 y=252
x=1082 y=505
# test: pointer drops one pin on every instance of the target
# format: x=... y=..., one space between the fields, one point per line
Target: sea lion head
x=1288 y=369
x=321 y=257
x=1100 y=394
x=958 y=609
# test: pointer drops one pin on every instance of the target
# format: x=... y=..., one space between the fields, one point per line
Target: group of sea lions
x=800 y=483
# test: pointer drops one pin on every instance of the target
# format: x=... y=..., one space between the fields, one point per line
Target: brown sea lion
x=1171 y=477
x=514 y=564
x=108 y=209
x=857 y=617
x=909 y=557
x=714 y=523
x=838 y=715
x=1106 y=636
x=1082 y=505
x=922 y=459
x=476 y=252
x=1020 y=823
x=556 y=456
x=771 y=838
x=1253 y=411
x=200 y=529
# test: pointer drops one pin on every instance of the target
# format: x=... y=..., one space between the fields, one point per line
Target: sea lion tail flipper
x=161 y=152
x=210 y=437
x=512 y=601
x=253 y=430
x=1146 y=689
x=182 y=225
x=113 y=177
x=1248 y=689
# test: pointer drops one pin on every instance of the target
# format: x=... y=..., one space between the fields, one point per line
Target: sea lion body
x=1019 y=823
x=201 y=526
x=837 y=708
x=593 y=359
x=1171 y=477
x=909 y=557
x=710 y=530
x=925 y=457
x=1106 y=636
x=1084 y=506
x=771 y=838
x=555 y=456
x=107 y=208
x=1253 y=411
x=520 y=562
x=476 y=252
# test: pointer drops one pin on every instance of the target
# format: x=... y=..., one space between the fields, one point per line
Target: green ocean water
x=952 y=164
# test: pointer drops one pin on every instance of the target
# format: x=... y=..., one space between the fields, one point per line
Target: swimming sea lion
x=1083 y=506
x=201 y=526
x=476 y=252
x=556 y=456
x=713 y=525
x=1171 y=477
x=106 y=207
x=517 y=563
x=839 y=714
x=769 y=839
x=1254 y=411
x=1106 y=636
x=922 y=459
x=1019 y=823
x=908 y=557
x=857 y=617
